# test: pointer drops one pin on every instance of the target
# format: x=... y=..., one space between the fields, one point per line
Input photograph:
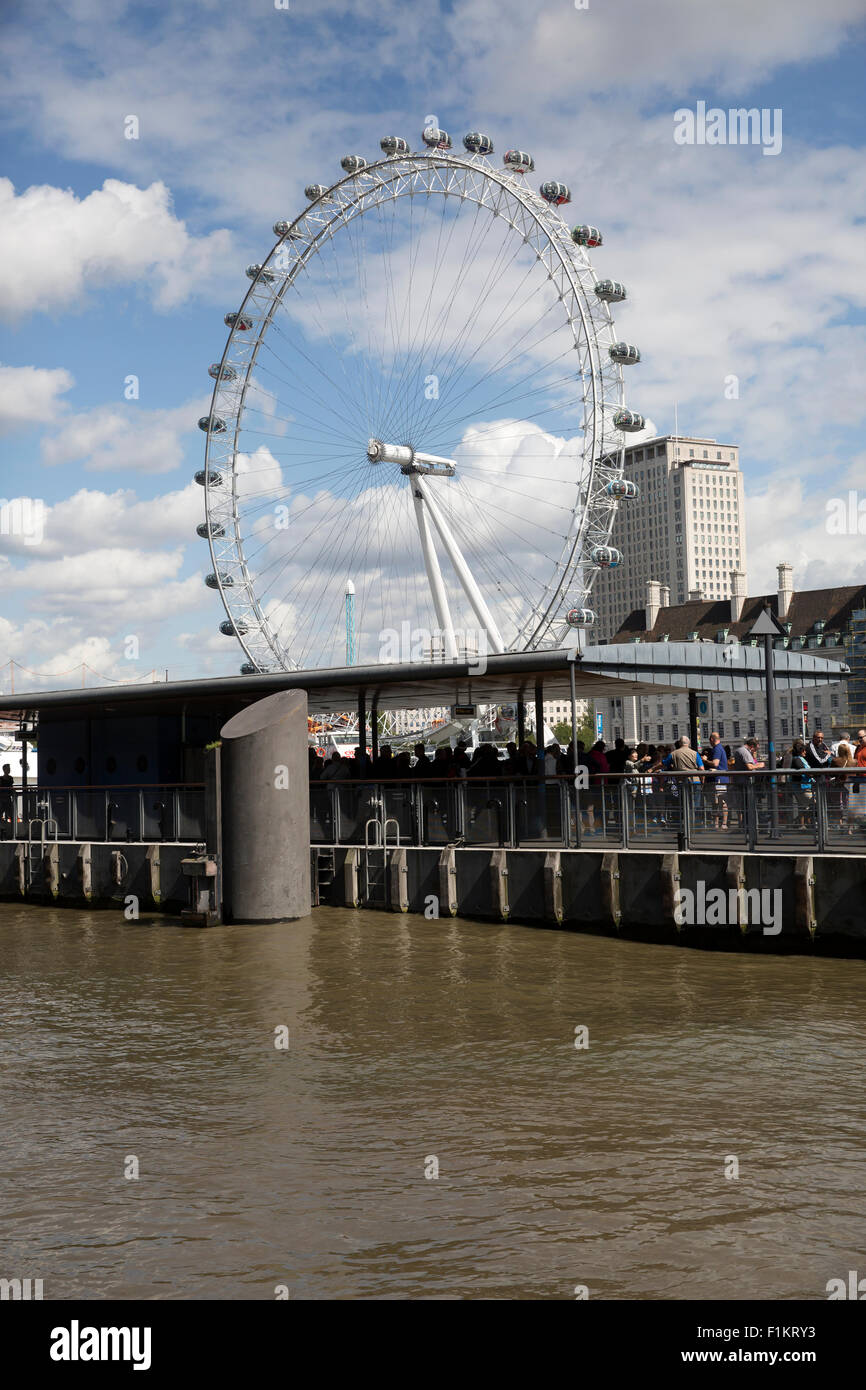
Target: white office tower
x=685 y=530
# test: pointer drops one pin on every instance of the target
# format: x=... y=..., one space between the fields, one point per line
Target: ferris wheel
x=420 y=403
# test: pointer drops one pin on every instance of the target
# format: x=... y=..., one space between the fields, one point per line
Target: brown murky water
x=413 y=1040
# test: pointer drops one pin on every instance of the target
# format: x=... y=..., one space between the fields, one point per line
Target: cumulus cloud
x=55 y=246
x=124 y=437
x=29 y=395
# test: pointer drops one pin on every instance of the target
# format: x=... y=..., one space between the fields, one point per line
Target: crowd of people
x=657 y=776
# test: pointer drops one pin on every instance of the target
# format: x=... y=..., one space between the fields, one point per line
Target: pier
x=540 y=850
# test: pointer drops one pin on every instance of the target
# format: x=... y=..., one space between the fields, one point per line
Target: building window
x=675 y=731
x=660 y=732
x=721 y=730
x=751 y=728
x=784 y=728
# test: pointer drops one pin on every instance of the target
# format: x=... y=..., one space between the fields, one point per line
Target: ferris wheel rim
x=605 y=457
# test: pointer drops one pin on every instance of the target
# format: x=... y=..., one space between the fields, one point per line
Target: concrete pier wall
x=821 y=899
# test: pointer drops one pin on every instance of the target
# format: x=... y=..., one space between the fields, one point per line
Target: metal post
x=362 y=731
x=521 y=723
x=771 y=741
x=693 y=719
x=374 y=731
x=539 y=725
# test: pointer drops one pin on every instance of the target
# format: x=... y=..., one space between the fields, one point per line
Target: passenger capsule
x=241 y=321
x=623 y=489
x=556 y=193
x=249 y=669
x=606 y=557
x=213 y=478
x=314 y=191
x=229 y=629
x=580 y=617
x=626 y=353
x=353 y=163
x=284 y=228
x=222 y=373
x=212 y=424
x=258 y=272
x=213 y=582
x=394 y=144
x=628 y=420
x=436 y=139
x=209 y=529
x=476 y=143
x=518 y=161
x=611 y=291
x=586 y=236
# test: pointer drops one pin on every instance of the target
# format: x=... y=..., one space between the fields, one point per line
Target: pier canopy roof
x=601 y=672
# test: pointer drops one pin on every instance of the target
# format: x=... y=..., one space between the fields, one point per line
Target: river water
x=414 y=1043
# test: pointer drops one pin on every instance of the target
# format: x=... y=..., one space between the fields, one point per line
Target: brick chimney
x=665 y=595
x=738 y=594
x=653 y=603
x=786 y=590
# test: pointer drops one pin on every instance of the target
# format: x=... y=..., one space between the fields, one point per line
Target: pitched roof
x=707 y=616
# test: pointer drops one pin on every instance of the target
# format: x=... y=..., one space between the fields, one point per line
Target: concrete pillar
x=266 y=810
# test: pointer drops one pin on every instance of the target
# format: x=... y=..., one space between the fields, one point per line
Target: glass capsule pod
x=626 y=353
x=213 y=478
x=607 y=557
x=228 y=629
x=518 y=161
x=314 y=191
x=628 y=420
x=224 y=579
x=580 y=617
x=436 y=139
x=212 y=424
x=476 y=143
x=623 y=489
x=556 y=193
x=207 y=529
x=224 y=373
x=394 y=144
x=258 y=272
x=284 y=228
x=241 y=321
x=353 y=163
x=249 y=669
x=612 y=291
x=586 y=236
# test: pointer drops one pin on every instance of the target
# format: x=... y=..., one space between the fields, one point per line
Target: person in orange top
x=860 y=750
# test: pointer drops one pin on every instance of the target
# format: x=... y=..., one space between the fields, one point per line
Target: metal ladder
x=34 y=864
x=324 y=872
x=375 y=887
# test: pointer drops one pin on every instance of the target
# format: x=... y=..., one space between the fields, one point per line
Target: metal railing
x=173 y=813
x=783 y=811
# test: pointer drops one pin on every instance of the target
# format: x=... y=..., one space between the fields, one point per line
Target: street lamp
x=768 y=628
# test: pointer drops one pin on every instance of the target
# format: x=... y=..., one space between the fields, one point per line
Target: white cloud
x=29 y=395
x=124 y=437
x=54 y=247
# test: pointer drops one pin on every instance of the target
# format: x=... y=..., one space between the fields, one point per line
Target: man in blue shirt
x=720 y=783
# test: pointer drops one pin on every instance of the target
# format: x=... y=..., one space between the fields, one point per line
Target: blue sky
x=736 y=263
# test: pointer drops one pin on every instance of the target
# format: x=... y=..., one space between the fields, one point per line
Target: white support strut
x=434 y=577
x=464 y=574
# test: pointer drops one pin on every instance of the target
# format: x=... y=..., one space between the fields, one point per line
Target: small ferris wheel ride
x=421 y=393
